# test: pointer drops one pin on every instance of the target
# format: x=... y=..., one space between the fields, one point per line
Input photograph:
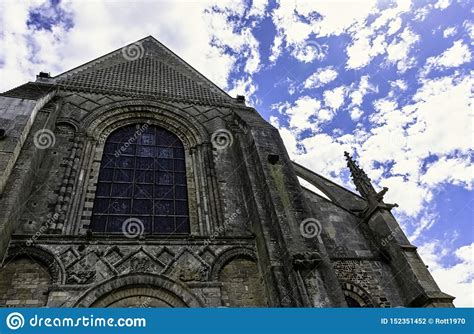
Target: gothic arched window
x=142 y=178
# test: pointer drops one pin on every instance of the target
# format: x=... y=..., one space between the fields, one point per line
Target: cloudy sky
x=388 y=81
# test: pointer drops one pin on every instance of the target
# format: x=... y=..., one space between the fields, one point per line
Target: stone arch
x=238 y=272
x=355 y=294
x=66 y=125
x=104 y=120
x=96 y=126
x=27 y=275
x=42 y=256
x=158 y=288
x=228 y=256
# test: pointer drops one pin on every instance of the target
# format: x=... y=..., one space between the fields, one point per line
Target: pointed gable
x=145 y=68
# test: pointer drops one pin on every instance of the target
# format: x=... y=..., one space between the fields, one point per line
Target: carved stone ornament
x=306 y=260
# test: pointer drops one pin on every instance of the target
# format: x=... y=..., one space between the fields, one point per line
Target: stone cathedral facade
x=133 y=181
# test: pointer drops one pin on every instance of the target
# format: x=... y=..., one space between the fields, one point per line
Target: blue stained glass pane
x=98 y=223
x=118 y=206
x=164 y=178
x=182 y=225
x=164 y=225
x=180 y=178
x=145 y=151
x=179 y=165
x=106 y=174
x=147 y=222
x=143 y=191
x=144 y=163
x=115 y=223
x=103 y=189
x=144 y=176
x=180 y=192
x=164 y=208
x=163 y=192
x=110 y=148
x=165 y=164
x=127 y=149
x=101 y=205
x=142 y=206
x=124 y=162
x=178 y=153
x=146 y=139
x=121 y=135
x=107 y=161
x=121 y=190
x=181 y=208
x=123 y=175
x=142 y=173
x=164 y=152
x=165 y=138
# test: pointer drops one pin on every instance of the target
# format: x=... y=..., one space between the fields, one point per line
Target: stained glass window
x=142 y=177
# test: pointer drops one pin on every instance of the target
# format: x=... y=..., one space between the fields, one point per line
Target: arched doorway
x=139 y=290
x=139 y=296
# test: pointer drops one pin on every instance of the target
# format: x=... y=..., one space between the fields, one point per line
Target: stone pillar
x=418 y=287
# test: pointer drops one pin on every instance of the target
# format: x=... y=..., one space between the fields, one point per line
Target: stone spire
x=366 y=189
x=359 y=177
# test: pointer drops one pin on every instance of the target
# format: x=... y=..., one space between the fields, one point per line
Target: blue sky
x=388 y=81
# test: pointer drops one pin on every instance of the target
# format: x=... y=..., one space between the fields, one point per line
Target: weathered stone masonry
x=246 y=246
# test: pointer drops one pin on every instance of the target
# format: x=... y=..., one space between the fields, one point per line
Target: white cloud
x=103 y=26
x=290 y=141
x=324 y=154
x=364 y=48
x=457 y=171
x=294 y=31
x=455 y=56
x=469 y=27
x=400 y=84
x=245 y=86
x=320 y=78
x=334 y=98
x=425 y=222
x=363 y=88
x=457 y=279
x=258 y=8
x=300 y=112
x=276 y=49
x=394 y=26
x=355 y=113
x=442 y=4
x=368 y=41
x=448 y=32
x=399 y=52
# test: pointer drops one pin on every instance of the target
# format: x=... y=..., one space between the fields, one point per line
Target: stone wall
x=24 y=283
x=241 y=284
